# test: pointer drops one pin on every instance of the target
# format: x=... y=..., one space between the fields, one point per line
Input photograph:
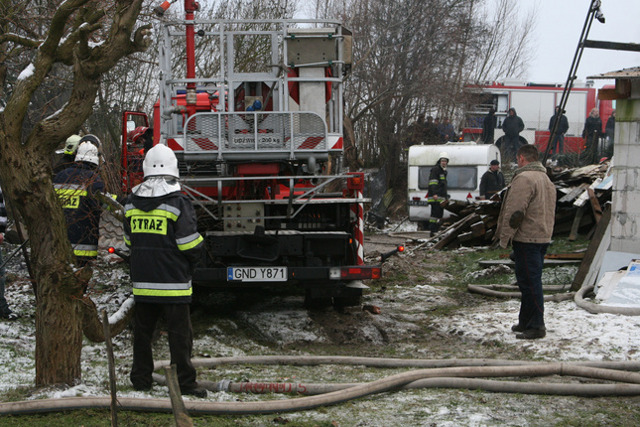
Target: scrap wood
x=590 y=254
x=595 y=205
x=573 y=194
x=452 y=232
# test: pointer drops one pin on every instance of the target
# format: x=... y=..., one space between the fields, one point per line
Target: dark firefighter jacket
x=437 y=183
x=77 y=187
x=165 y=246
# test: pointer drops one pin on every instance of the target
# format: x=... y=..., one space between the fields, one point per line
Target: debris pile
x=582 y=195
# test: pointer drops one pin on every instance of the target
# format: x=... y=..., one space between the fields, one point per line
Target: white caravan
x=468 y=161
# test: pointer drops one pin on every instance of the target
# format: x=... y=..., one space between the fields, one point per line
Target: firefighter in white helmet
x=437 y=192
x=77 y=187
x=161 y=231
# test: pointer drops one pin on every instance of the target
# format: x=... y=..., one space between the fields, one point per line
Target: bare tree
x=415 y=57
x=503 y=41
x=88 y=37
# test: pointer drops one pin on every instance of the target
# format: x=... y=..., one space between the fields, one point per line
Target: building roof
x=627 y=73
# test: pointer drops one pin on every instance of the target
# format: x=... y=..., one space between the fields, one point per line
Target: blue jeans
x=529 y=258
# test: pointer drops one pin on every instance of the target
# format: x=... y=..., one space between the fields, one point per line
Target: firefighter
x=160 y=230
x=142 y=136
x=77 y=187
x=68 y=153
x=437 y=191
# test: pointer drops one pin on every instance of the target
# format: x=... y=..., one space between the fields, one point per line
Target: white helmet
x=160 y=160
x=87 y=152
x=443 y=155
x=71 y=145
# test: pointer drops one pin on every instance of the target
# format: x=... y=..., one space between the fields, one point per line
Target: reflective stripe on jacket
x=76 y=187
x=165 y=246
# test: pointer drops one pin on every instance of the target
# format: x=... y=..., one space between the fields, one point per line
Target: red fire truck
x=535 y=104
x=259 y=144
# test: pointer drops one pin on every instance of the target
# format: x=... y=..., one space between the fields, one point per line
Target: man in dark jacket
x=512 y=126
x=591 y=133
x=161 y=231
x=437 y=191
x=610 y=130
x=557 y=138
x=431 y=134
x=492 y=181
x=77 y=187
x=488 y=127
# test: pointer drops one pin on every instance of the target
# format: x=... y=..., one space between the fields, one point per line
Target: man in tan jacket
x=526 y=221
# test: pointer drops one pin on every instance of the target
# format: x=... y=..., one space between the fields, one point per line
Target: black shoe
x=517 y=328
x=532 y=334
x=141 y=387
x=196 y=391
x=9 y=315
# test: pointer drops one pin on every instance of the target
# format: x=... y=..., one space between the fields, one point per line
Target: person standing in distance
x=160 y=229
x=492 y=181
x=557 y=139
x=526 y=222
x=488 y=127
x=437 y=191
x=512 y=126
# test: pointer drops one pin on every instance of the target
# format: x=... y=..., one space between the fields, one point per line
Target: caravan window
x=458 y=177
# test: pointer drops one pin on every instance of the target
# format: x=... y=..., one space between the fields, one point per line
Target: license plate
x=257 y=274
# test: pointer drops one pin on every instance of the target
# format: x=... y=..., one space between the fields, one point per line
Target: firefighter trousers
x=178 y=323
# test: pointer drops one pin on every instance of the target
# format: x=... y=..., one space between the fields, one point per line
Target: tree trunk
x=59 y=290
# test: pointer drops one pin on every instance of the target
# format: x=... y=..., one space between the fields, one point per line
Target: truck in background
x=535 y=104
x=259 y=145
x=468 y=161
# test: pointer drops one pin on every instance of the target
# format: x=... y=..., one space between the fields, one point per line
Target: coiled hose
x=442 y=377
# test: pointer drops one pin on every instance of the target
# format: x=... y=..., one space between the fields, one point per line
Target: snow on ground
x=572 y=335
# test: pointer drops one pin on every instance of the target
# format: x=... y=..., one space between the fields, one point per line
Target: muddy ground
x=419 y=310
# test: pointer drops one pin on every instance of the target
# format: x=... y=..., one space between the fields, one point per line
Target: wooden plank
x=573 y=234
x=595 y=205
x=452 y=232
x=573 y=194
x=592 y=249
x=477 y=228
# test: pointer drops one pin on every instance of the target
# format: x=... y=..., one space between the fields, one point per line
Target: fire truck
x=258 y=135
x=535 y=104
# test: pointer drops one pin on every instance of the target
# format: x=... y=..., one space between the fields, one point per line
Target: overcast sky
x=558 y=29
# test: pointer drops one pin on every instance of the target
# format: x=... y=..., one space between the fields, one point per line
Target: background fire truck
x=259 y=144
x=535 y=104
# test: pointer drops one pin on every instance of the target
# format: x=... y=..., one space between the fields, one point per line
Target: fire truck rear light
x=354 y=273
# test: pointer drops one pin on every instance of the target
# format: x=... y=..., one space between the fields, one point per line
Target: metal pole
x=593 y=8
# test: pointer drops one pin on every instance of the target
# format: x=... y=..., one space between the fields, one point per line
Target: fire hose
x=440 y=377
